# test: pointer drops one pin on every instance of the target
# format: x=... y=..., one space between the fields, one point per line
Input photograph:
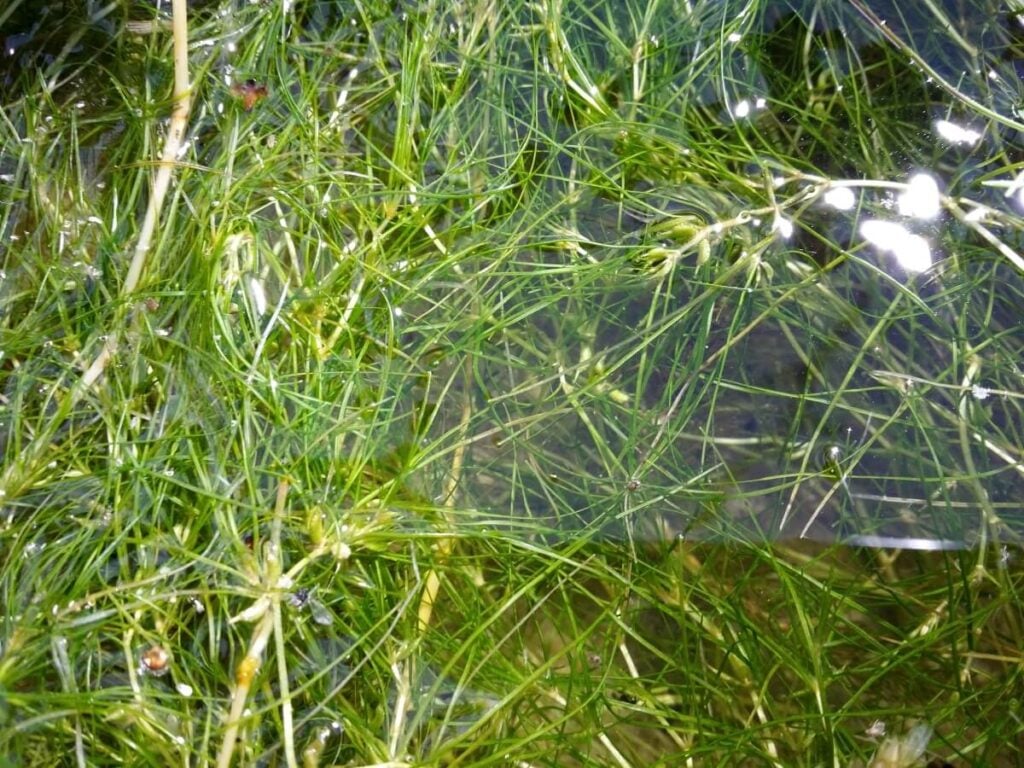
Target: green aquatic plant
x=556 y=383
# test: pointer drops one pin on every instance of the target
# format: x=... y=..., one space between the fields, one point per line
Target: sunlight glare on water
x=911 y=251
x=840 y=198
x=957 y=134
x=921 y=198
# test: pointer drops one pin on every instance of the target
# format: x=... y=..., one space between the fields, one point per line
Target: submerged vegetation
x=621 y=382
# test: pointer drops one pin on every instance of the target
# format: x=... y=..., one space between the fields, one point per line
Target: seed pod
x=155 y=661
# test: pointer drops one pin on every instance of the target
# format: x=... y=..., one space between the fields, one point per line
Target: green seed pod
x=682 y=229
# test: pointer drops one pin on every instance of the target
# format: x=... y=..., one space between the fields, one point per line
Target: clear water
x=874 y=401
x=823 y=345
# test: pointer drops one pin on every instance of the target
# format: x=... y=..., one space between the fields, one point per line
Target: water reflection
x=920 y=200
x=911 y=251
x=957 y=134
x=840 y=198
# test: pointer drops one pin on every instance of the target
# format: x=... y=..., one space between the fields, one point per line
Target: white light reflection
x=921 y=198
x=956 y=134
x=783 y=226
x=742 y=109
x=912 y=252
x=840 y=198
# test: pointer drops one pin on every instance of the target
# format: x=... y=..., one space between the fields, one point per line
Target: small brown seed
x=155 y=660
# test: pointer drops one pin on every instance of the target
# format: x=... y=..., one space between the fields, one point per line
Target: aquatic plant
x=557 y=383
